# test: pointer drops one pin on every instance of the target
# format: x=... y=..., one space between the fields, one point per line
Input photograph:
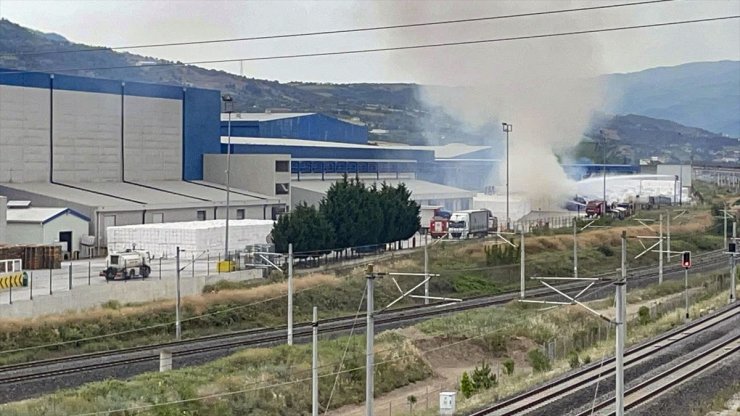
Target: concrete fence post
x=160 y=268
x=165 y=360
x=89 y=273
x=10 y=294
x=30 y=286
x=70 y=275
x=51 y=292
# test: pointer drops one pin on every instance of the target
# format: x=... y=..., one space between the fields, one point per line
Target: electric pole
x=177 y=301
x=315 y=365
x=521 y=264
x=426 y=269
x=290 y=294
x=575 y=249
x=621 y=322
x=369 y=344
x=660 y=252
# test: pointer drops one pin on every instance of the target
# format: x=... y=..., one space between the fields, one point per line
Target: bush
x=111 y=304
x=466 y=386
x=573 y=360
x=643 y=315
x=482 y=377
x=586 y=359
x=539 y=361
x=605 y=250
x=508 y=366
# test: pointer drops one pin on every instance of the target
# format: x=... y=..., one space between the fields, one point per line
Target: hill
x=397 y=109
x=700 y=94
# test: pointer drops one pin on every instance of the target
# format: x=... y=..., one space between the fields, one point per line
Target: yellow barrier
x=13 y=279
x=226 y=266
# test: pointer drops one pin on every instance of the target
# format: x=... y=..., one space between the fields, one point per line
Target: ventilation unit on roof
x=19 y=204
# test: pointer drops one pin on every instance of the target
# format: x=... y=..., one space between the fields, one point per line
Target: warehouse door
x=66 y=237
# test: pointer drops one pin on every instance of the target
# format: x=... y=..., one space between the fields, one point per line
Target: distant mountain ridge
x=703 y=94
x=699 y=94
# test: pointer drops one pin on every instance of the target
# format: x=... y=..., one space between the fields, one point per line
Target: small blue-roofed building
x=304 y=126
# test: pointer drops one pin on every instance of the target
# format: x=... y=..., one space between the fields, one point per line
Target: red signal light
x=686 y=261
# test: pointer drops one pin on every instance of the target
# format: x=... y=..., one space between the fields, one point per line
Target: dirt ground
x=448 y=365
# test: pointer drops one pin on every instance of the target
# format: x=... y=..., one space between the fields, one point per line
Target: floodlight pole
x=228 y=108
x=660 y=254
x=426 y=269
x=290 y=294
x=508 y=128
x=621 y=323
x=369 y=345
x=521 y=265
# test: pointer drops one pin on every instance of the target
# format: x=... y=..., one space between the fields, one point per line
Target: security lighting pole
x=228 y=108
x=603 y=166
x=508 y=128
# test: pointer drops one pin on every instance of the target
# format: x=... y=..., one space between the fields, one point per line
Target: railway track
x=70 y=365
x=559 y=388
x=660 y=383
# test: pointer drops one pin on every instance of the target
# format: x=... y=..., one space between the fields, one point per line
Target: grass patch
x=268 y=381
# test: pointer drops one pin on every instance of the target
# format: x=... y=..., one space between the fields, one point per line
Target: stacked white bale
x=195 y=237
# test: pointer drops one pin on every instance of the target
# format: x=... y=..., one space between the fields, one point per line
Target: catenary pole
x=369 y=345
x=177 y=301
x=575 y=249
x=426 y=270
x=733 y=268
x=660 y=252
x=621 y=289
x=668 y=240
x=290 y=294
x=521 y=264
x=315 y=365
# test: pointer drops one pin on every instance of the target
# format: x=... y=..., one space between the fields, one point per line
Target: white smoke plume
x=546 y=88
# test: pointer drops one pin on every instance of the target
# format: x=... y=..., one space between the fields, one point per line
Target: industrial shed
x=33 y=225
x=306 y=126
x=423 y=192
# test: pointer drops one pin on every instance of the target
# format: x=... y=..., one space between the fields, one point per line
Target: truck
x=427 y=213
x=595 y=208
x=438 y=227
x=127 y=264
x=469 y=223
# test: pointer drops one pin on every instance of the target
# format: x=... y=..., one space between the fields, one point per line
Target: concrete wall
x=251 y=172
x=684 y=173
x=152 y=138
x=3 y=216
x=24 y=134
x=309 y=197
x=25 y=233
x=86 y=136
x=83 y=297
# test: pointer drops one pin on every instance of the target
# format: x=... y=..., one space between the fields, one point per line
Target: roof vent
x=19 y=204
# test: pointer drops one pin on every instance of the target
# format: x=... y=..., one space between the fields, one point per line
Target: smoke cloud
x=546 y=88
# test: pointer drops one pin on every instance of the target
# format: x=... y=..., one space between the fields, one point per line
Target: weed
x=539 y=361
x=573 y=360
x=508 y=366
x=643 y=315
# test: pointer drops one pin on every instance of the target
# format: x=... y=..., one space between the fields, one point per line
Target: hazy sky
x=113 y=23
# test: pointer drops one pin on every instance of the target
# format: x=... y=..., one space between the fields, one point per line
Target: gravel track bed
x=583 y=398
x=687 y=398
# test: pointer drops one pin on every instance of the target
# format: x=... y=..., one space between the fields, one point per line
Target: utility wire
x=392 y=48
x=339 y=31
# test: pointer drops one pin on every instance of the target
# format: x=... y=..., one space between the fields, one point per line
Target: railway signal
x=686 y=260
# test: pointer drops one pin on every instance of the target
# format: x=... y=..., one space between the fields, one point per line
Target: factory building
x=306 y=126
x=117 y=152
x=315 y=165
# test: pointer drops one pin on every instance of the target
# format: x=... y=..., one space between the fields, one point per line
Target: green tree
x=466 y=385
x=482 y=377
x=306 y=229
x=509 y=366
x=539 y=361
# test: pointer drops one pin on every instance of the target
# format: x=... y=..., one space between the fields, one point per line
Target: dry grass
x=197 y=303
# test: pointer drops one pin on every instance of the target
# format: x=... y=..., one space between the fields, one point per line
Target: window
x=201 y=215
x=282 y=188
x=282 y=166
x=240 y=214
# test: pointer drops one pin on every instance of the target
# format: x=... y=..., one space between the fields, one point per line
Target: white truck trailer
x=469 y=223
